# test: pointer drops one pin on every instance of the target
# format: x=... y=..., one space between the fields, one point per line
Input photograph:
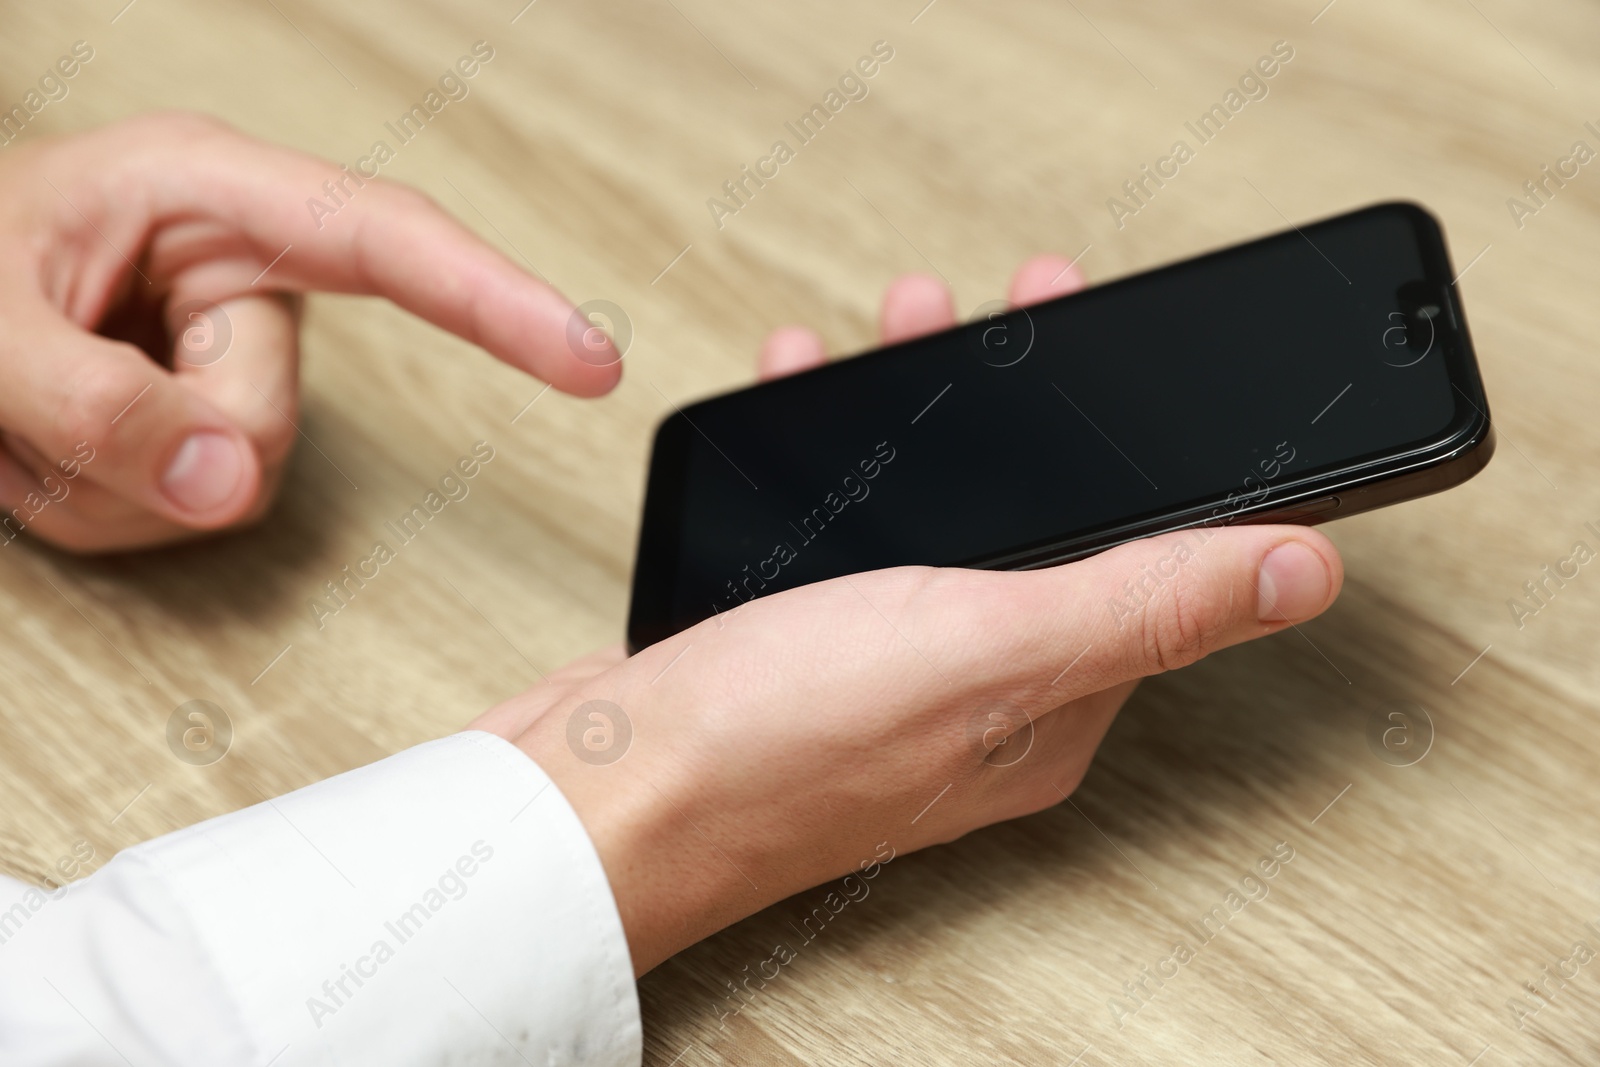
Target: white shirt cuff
x=444 y=905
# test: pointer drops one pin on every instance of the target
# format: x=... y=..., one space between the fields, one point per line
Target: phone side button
x=1310 y=509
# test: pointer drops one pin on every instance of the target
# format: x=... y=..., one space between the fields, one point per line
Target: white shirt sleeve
x=444 y=905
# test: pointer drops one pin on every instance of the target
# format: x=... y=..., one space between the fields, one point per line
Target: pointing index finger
x=368 y=236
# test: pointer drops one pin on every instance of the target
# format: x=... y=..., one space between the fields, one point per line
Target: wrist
x=672 y=886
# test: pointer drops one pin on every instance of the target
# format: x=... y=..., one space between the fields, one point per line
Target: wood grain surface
x=1419 y=899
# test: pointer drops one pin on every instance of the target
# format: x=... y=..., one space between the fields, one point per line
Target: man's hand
x=126 y=254
x=783 y=743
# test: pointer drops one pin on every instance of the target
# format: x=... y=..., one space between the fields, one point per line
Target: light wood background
x=1416 y=905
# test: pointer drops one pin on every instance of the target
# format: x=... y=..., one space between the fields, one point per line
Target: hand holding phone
x=822 y=732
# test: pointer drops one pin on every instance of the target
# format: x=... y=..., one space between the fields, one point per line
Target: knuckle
x=94 y=400
x=912 y=589
x=1032 y=802
x=1047 y=791
x=987 y=601
x=1173 y=628
x=411 y=196
x=155 y=134
x=182 y=122
x=402 y=198
x=1067 y=781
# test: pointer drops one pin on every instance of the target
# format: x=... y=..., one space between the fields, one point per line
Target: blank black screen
x=1237 y=373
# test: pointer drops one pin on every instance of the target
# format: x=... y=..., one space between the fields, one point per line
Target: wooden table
x=1419 y=898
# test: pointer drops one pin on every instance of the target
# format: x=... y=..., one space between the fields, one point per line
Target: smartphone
x=1297 y=378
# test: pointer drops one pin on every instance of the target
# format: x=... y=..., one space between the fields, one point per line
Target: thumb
x=1170 y=601
x=129 y=424
x=1146 y=607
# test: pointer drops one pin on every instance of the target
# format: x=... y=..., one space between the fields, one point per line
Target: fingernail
x=1294 y=584
x=204 y=472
